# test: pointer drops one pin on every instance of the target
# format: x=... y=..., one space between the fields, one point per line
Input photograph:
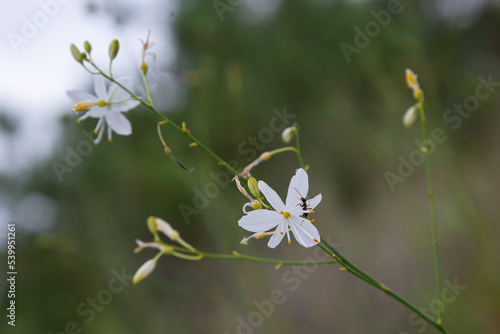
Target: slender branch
x=433 y=211
x=171 y=123
x=238 y=256
x=297 y=142
x=354 y=270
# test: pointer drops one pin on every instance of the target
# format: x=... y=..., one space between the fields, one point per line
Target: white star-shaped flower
x=290 y=215
x=107 y=105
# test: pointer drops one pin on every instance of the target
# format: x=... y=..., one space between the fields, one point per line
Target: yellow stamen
x=290 y=242
x=279 y=265
x=286 y=214
x=110 y=140
x=312 y=221
x=193 y=145
x=79 y=119
x=312 y=211
x=315 y=240
x=281 y=212
x=183 y=126
x=95 y=131
x=281 y=232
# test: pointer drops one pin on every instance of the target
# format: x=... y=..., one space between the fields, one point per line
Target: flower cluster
x=411 y=114
x=109 y=101
x=156 y=225
x=289 y=216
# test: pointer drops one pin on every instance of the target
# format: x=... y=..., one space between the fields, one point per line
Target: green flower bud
x=144 y=67
x=253 y=186
x=114 y=46
x=76 y=53
x=87 y=46
x=152 y=226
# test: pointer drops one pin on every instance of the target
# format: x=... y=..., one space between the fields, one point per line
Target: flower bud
x=87 y=46
x=410 y=116
x=166 y=229
x=256 y=205
x=144 y=67
x=76 y=53
x=144 y=271
x=288 y=134
x=265 y=156
x=152 y=226
x=114 y=46
x=253 y=186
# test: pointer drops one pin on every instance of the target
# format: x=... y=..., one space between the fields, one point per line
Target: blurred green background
x=235 y=72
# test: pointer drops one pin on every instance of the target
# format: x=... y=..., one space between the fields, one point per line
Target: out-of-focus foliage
x=237 y=71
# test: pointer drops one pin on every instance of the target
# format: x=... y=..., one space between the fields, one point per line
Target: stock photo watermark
x=448 y=296
x=454 y=117
x=31 y=25
x=11 y=274
x=372 y=29
x=88 y=309
x=292 y=278
x=249 y=148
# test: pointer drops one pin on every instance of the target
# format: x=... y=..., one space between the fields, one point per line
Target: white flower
x=107 y=105
x=290 y=215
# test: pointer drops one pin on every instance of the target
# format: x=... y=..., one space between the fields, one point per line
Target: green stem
x=238 y=256
x=297 y=142
x=284 y=149
x=354 y=270
x=146 y=85
x=433 y=211
x=171 y=123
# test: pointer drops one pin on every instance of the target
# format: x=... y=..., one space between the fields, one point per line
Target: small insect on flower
x=304 y=205
x=286 y=216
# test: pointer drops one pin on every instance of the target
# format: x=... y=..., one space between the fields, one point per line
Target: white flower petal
x=78 y=95
x=260 y=220
x=272 y=197
x=125 y=106
x=100 y=87
x=119 y=123
x=278 y=235
x=96 y=112
x=299 y=186
x=304 y=232
x=313 y=202
x=119 y=94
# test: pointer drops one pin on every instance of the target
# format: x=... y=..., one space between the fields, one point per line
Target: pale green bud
x=76 y=53
x=87 y=46
x=253 y=185
x=114 y=46
x=152 y=226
